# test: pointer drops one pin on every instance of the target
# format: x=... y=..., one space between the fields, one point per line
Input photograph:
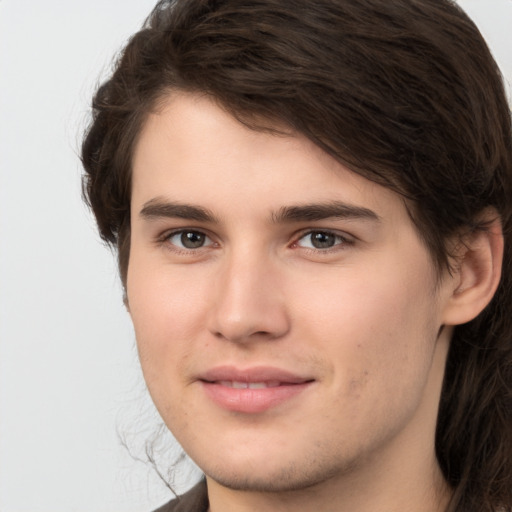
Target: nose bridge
x=249 y=302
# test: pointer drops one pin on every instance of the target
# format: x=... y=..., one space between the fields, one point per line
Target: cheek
x=167 y=309
x=374 y=304
x=166 y=320
x=378 y=327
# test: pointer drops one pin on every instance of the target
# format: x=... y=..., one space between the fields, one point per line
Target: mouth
x=249 y=385
x=253 y=390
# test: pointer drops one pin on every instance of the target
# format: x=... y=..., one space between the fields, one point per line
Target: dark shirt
x=195 y=500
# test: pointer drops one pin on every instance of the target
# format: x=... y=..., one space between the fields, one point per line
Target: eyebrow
x=321 y=211
x=159 y=208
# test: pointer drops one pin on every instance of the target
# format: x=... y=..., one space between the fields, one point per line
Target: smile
x=249 y=385
x=253 y=390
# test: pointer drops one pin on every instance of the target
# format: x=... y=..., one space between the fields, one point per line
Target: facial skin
x=342 y=297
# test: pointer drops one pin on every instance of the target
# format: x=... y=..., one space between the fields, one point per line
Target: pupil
x=192 y=239
x=322 y=240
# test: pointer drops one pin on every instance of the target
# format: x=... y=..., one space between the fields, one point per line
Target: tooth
x=257 y=385
x=249 y=385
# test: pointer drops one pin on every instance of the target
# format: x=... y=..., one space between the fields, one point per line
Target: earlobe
x=478 y=272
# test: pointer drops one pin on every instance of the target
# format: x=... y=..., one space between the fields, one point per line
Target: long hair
x=404 y=93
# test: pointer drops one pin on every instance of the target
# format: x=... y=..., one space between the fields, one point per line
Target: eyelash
x=165 y=239
x=340 y=241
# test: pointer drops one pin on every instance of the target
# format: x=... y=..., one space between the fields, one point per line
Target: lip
x=282 y=386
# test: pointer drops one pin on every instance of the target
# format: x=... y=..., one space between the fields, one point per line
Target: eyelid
x=344 y=239
x=164 y=239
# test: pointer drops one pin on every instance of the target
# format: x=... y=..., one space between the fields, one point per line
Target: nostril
x=245 y=336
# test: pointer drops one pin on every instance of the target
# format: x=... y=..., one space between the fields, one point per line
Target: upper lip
x=252 y=374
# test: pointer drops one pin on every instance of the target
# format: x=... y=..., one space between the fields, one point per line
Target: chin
x=284 y=478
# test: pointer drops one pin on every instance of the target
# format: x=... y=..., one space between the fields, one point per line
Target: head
x=404 y=94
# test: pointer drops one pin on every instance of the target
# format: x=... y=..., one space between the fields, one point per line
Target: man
x=311 y=204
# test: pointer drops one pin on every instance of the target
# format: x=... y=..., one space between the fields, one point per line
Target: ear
x=478 y=271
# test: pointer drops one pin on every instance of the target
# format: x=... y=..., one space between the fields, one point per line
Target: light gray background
x=69 y=378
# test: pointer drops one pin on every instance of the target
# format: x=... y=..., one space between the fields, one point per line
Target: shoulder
x=195 y=500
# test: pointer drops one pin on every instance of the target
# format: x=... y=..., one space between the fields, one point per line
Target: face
x=285 y=309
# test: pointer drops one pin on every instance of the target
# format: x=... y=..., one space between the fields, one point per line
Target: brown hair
x=405 y=93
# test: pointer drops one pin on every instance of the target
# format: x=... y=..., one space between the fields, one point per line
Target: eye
x=321 y=240
x=189 y=239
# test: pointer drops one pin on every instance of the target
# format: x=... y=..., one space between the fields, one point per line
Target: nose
x=249 y=302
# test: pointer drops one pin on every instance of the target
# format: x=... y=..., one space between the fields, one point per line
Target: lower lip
x=252 y=401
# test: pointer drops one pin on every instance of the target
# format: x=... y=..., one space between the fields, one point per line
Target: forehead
x=192 y=149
